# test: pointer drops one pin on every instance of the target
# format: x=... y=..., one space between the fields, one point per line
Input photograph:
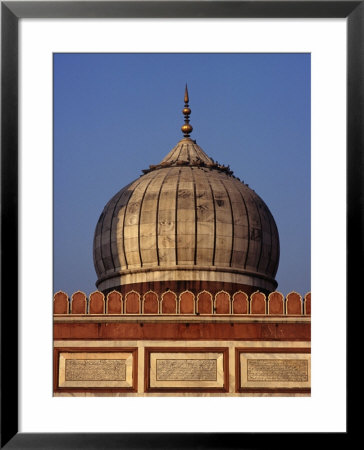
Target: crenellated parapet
x=186 y=303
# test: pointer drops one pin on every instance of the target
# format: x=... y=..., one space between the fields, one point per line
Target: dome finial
x=186 y=95
x=186 y=128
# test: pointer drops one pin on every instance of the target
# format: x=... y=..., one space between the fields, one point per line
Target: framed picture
x=132 y=11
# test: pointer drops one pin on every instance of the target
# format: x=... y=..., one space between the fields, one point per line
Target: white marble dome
x=186 y=218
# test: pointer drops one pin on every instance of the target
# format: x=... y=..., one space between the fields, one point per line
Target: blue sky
x=115 y=114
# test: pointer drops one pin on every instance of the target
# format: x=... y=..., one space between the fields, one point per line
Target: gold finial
x=186 y=95
x=186 y=128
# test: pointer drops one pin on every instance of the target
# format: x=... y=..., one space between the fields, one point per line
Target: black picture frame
x=11 y=12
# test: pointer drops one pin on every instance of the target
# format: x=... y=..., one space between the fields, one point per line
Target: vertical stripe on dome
x=278 y=252
x=184 y=154
x=140 y=218
x=157 y=216
x=248 y=223
x=188 y=154
x=195 y=204
x=266 y=234
x=175 y=220
x=113 y=236
x=118 y=224
x=259 y=233
x=213 y=203
x=167 y=219
x=147 y=228
x=223 y=223
x=271 y=243
x=241 y=224
x=180 y=151
x=130 y=226
x=99 y=265
x=105 y=237
x=275 y=253
x=204 y=219
x=232 y=223
x=186 y=218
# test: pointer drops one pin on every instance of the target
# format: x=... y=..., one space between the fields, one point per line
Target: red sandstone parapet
x=258 y=303
x=61 y=303
x=96 y=304
x=294 y=304
x=186 y=303
x=240 y=303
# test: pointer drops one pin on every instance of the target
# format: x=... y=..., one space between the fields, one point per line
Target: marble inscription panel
x=95 y=369
x=275 y=370
x=186 y=369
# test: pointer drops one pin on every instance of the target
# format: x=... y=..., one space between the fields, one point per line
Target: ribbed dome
x=187 y=218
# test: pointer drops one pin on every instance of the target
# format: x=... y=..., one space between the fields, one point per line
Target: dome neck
x=188 y=153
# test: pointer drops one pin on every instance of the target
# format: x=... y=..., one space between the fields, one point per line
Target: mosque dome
x=186 y=223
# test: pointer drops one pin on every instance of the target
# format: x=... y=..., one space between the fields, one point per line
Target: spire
x=186 y=128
